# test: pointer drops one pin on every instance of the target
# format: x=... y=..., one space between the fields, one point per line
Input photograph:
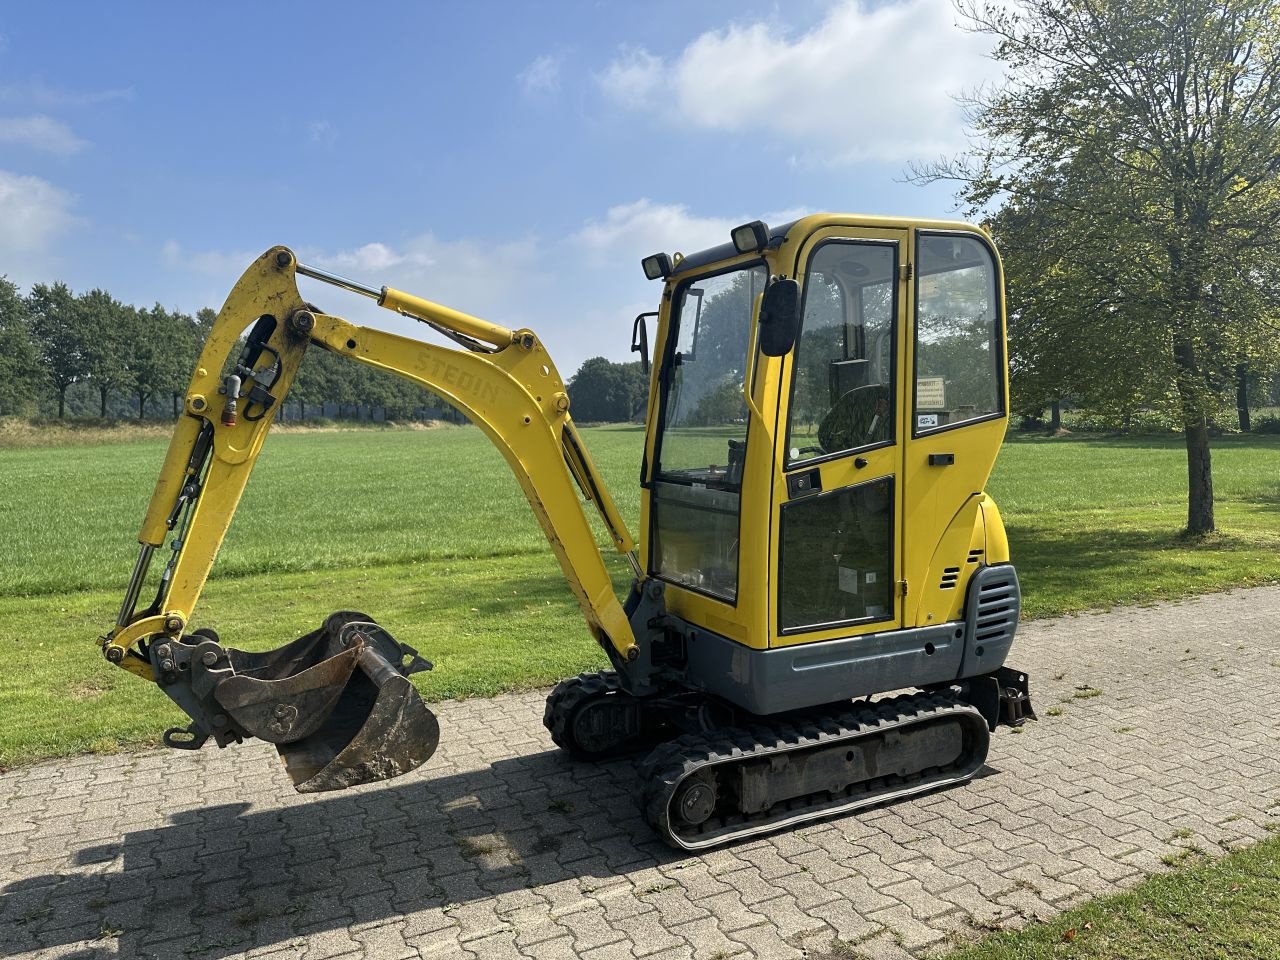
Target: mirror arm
x=640 y=340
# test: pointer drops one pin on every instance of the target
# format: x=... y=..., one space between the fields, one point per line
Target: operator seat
x=861 y=417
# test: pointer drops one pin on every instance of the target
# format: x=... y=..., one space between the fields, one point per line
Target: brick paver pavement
x=502 y=847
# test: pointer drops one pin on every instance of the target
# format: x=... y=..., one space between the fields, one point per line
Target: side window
x=704 y=426
x=701 y=447
x=958 y=348
x=843 y=389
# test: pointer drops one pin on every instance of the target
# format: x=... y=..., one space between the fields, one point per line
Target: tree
x=723 y=403
x=58 y=332
x=158 y=359
x=325 y=377
x=606 y=392
x=19 y=355
x=107 y=341
x=715 y=328
x=1144 y=138
x=191 y=334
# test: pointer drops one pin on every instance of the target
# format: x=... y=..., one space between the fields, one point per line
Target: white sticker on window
x=926 y=420
x=848 y=580
x=931 y=393
x=871 y=576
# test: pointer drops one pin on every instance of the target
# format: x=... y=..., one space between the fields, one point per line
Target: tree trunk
x=142 y=402
x=62 y=401
x=103 y=412
x=1199 y=479
x=302 y=409
x=1196 y=426
x=175 y=407
x=1242 y=395
x=1055 y=417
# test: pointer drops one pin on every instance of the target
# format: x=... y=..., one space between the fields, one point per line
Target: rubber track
x=568 y=695
x=669 y=764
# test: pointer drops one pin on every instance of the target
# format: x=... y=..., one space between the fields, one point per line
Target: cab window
x=959 y=363
x=843 y=395
x=701 y=445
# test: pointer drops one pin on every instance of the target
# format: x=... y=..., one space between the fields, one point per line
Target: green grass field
x=428 y=532
x=1208 y=909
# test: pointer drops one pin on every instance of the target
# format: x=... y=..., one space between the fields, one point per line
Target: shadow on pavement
x=232 y=877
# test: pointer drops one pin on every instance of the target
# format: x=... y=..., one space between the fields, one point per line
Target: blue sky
x=510 y=159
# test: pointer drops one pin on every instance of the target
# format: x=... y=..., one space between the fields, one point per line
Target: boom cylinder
x=410 y=306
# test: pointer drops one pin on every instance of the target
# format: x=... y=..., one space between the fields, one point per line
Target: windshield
x=704 y=425
x=702 y=440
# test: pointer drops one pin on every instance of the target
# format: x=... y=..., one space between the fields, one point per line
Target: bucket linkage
x=337 y=702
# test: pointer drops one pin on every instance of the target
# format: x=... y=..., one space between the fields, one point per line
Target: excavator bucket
x=337 y=703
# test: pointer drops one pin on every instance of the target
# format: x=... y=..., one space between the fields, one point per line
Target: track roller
x=703 y=790
x=592 y=717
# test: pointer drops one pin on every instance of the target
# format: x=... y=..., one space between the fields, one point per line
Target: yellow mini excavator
x=827 y=399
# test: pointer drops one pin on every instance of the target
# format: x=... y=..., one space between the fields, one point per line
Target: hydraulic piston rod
x=444 y=319
x=324 y=276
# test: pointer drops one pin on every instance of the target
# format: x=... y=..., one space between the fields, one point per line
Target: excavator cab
x=827 y=399
x=830 y=492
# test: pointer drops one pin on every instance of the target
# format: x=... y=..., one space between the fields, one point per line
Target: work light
x=657 y=266
x=750 y=236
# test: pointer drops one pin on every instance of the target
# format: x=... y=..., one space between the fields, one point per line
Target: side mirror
x=779 y=318
x=640 y=340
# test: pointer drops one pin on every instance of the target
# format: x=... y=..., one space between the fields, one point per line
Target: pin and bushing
x=302 y=323
x=232 y=390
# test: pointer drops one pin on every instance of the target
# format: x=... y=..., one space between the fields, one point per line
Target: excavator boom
x=337 y=702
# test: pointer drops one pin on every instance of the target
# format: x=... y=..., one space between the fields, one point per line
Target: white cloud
x=635 y=230
x=371 y=257
x=322 y=132
x=579 y=292
x=865 y=83
x=222 y=264
x=40 y=133
x=37 y=93
x=540 y=77
x=489 y=280
x=643 y=227
x=33 y=213
x=633 y=78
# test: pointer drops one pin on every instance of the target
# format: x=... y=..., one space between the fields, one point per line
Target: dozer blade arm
x=337 y=702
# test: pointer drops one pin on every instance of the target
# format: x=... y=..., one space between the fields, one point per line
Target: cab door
x=959 y=394
x=837 y=494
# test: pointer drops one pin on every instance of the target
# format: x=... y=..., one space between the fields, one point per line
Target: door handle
x=941 y=459
x=859 y=462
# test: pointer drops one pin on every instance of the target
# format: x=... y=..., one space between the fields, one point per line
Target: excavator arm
x=337 y=702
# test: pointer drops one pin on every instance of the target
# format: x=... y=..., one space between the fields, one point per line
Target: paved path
x=504 y=848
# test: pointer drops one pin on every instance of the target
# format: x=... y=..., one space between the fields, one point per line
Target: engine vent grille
x=975 y=556
x=949 y=577
x=995 y=614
